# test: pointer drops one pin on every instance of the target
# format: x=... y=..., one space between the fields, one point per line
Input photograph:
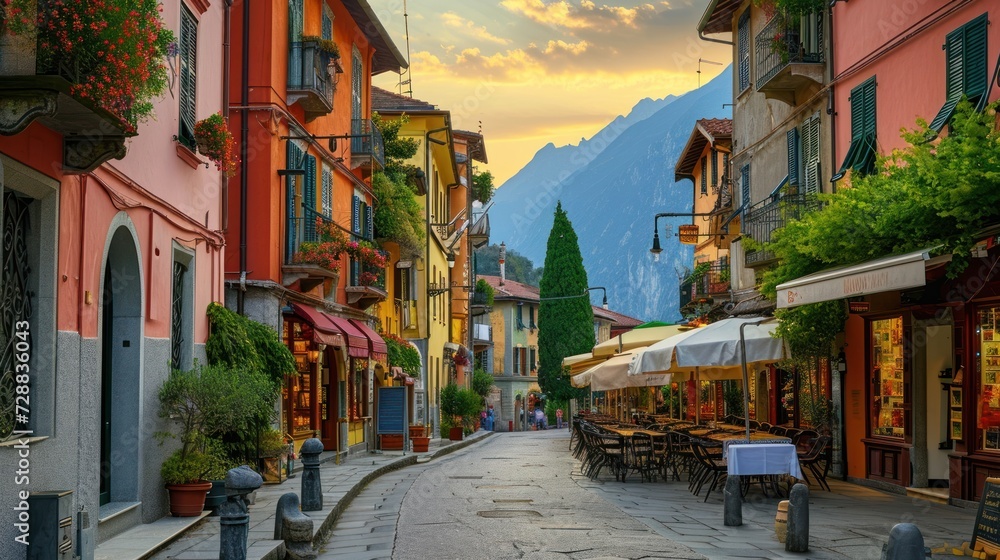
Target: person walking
x=559 y=418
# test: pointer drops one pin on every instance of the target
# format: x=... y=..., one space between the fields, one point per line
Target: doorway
x=938 y=371
x=121 y=370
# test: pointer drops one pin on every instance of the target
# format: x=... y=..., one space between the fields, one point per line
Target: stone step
x=145 y=540
x=936 y=495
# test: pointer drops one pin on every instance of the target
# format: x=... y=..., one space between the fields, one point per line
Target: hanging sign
x=688 y=234
x=859 y=306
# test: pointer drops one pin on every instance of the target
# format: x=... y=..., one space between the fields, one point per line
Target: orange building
x=302 y=114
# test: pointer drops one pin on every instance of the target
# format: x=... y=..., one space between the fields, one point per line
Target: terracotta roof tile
x=510 y=289
x=717 y=127
x=385 y=100
x=622 y=320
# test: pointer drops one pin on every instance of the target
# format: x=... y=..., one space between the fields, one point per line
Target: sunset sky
x=540 y=71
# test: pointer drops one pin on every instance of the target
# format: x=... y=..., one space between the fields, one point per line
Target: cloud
x=588 y=15
x=453 y=20
x=562 y=46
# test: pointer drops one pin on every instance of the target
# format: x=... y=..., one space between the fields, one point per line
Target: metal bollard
x=312 y=491
x=905 y=543
x=798 y=519
x=234 y=519
x=732 y=507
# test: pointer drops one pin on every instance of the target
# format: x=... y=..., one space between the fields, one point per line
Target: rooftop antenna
x=408 y=82
x=700 y=60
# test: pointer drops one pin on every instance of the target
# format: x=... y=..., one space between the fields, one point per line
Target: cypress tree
x=566 y=325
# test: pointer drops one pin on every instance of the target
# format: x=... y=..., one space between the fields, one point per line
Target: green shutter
x=369 y=222
x=810 y=155
x=356 y=215
x=188 y=55
x=861 y=155
x=792 y=141
x=290 y=245
x=743 y=49
x=327 y=26
x=309 y=200
x=327 y=194
x=745 y=188
x=975 y=64
x=715 y=169
x=704 y=175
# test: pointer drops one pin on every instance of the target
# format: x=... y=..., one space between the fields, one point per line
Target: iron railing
x=302 y=228
x=715 y=280
x=309 y=71
x=763 y=218
x=366 y=140
x=786 y=40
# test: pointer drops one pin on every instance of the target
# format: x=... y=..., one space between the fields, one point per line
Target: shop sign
x=859 y=306
x=986 y=531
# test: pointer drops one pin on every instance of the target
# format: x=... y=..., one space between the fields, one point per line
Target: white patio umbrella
x=613 y=374
x=720 y=350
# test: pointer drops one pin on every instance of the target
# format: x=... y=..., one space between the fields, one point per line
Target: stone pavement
x=341 y=484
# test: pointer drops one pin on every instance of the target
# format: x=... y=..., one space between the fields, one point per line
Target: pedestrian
x=559 y=418
x=490 y=419
x=540 y=419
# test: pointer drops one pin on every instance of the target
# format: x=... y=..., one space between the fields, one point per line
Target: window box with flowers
x=78 y=67
x=217 y=144
x=367 y=285
x=316 y=261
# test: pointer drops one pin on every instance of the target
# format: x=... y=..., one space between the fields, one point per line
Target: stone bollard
x=798 y=519
x=234 y=520
x=293 y=527
x=732 y=507
x=312 y=490
x=905 y=543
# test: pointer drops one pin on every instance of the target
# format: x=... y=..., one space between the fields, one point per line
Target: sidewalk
x=341 y=483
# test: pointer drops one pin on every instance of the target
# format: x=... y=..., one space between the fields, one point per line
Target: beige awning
x=581 y=362
x=887 y=274
x=613 y=374
x=636 y=338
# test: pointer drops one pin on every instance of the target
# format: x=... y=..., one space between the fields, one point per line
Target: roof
x=510 y=289
x=714 y=132
x=621 y=320
x=387 y=101
x=387 y=56
x=603 y=313
x=718 y=17
x=477 y=147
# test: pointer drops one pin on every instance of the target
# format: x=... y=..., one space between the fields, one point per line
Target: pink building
x=115 y=251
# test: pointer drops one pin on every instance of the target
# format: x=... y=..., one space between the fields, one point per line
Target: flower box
x=392 y=442
x=420 y=444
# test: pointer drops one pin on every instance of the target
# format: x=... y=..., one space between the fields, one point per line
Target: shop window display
x=887 y=377
x=989 y=371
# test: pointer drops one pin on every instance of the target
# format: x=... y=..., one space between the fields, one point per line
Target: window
x=967 y=68
x=704 y=175
x=357 y=83
x=181 y=309
x=326 y=204
x=309 y=200
x=715 y=169
x=521 y=361
x=520 y=316
x=793 y=142
x=810 y=155
x=743 y=50
x=745 y=188
x=887 y=377
x=295 y=159
x=327 y=23
x=188 y=49
x=532 y=363
x=989 y=385
x=531 y=317
x=861 y=155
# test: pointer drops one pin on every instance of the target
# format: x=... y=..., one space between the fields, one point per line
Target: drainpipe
x=244 y=131
x=226 y=37
x=831 y=108
x=431 y=420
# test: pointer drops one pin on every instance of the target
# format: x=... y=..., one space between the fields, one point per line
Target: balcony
x=366 y=286
x=482 y=335
x=367 y=148
x=300 y=229
x=32 y=92
x=479 y=304
x=311 y=83
x=790 y=56
x=713 y=282
x=765 y=217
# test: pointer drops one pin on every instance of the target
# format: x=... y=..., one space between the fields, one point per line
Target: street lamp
x=451 y=260
x=656 y=250
x=604 y=302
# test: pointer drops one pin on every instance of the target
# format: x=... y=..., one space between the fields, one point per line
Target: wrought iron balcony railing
x=309 y=78
x=366 y=141
x=714 y=281
x=785 y=41
x=763 y=218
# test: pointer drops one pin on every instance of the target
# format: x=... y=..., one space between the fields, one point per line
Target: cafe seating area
x=702 y=454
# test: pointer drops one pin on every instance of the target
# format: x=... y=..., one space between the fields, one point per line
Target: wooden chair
x=817 y=461
x=711 y=468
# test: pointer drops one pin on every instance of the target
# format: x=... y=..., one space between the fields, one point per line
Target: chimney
x=503 y=256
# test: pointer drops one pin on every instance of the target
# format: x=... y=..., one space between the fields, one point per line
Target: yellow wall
x=707 y=249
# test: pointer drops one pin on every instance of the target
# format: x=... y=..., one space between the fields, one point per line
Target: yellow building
x=423 y=284
x=705 y=161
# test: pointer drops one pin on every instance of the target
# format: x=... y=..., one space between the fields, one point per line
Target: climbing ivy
x=238 y=342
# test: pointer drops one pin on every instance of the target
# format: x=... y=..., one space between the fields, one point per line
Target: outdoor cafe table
x=629 y=432
x=754 y=437
x=763 y=459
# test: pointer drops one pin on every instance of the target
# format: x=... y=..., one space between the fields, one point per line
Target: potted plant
x=417 y=430
x=216 y=143
x=420 y=444
x=204 y=403
x=451 y=410
x=326 y=252
x=325 y=46
x=272 y=454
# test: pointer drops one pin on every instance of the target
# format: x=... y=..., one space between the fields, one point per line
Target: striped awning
x=376 y=345
x=357 y=342
x=324 y=332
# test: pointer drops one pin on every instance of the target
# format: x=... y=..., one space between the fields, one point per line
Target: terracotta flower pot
x=455 y=434
x=392 y=441
x=188 y=500
x=420 y=444
x=417 y=431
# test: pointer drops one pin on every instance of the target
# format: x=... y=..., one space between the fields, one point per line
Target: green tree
x=519 y=268
x=398 y=214
x=482 y=186
x=566 y=325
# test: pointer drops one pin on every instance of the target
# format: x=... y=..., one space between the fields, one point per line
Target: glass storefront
x=299 y=391
x=988 y=362
x=887 y=377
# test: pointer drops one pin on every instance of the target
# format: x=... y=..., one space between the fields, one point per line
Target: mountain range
x=611 y=185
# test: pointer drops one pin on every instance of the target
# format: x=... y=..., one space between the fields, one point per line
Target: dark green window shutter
x=743 y=49
x=810 y=142
x=715 y=169
x=309 y=201
x=861 y=154
x=745 y=188
x=704 y=175
x=369 y=222
x=327 y=26
x=188 y=55
x=295 y=17
x=976 y=65
x=792 y=139
x=326 y=204
x=356 y=215
x=290 y=233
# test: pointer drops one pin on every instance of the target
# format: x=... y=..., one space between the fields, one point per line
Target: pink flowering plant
x=327 y=251
x=113 y=51
x=366 y=253
x=217 y=144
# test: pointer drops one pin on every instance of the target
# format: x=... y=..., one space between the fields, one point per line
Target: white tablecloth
x=763 y=458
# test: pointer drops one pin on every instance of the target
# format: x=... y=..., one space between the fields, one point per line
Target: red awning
x=357 y=343
x=376 y=344
x=324 y=332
